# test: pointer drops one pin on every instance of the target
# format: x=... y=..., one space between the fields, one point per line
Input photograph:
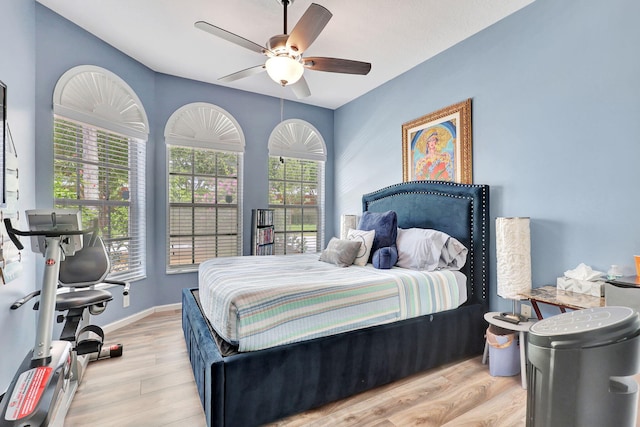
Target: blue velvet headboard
x=460 y=210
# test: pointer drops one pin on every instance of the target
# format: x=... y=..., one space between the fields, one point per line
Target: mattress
x=263 y=302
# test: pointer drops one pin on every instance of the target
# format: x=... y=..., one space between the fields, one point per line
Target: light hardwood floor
x=152 y=385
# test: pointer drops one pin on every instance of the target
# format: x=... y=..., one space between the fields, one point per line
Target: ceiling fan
x=285 y=64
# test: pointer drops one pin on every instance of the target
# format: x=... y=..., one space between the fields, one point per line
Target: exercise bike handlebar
x=13 y=233
x=25 y=299
x=126 y=285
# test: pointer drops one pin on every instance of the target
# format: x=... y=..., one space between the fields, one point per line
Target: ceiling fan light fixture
x=284 y=70
x=285 y=64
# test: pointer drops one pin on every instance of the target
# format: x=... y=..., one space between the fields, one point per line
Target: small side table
x=560 y=298
x=522 y=328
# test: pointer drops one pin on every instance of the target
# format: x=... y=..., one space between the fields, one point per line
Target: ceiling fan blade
x=230 y=37
x=301 y=88
x=336 y=65
x=308 y=28
x=242 y=74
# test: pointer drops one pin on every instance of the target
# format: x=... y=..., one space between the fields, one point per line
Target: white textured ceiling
x=394 y=36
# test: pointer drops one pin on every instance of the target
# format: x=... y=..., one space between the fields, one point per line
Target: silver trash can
x=580 y=369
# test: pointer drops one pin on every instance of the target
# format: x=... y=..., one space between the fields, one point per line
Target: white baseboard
x=140 y=315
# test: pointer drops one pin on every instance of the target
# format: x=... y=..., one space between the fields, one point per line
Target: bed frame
x=248 y=389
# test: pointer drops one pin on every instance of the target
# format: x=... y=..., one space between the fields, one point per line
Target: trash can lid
x=586 y=328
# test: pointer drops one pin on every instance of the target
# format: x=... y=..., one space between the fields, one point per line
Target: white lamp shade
x=347 y=222
x=513 y=256
x=284 y=70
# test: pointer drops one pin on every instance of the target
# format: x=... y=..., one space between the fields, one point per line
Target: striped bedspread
x=262 y=302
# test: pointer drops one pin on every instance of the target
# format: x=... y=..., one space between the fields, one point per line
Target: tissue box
x=581 y=286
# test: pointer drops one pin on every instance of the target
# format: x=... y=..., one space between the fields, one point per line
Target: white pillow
x=366 y=240
x=426 y=249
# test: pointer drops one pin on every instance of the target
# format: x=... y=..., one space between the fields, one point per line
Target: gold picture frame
x=448 y=133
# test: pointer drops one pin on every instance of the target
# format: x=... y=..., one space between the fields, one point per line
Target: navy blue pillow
x=386 y=226
x=385 y=258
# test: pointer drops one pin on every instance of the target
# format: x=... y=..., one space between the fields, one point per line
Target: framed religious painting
x=437 y=146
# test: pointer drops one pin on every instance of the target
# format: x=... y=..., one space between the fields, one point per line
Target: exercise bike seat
x=79 y=299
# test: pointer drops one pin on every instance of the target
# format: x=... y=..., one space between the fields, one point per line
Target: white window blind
x=100 y=131
x=102 y=173
x=204 y=191
x=205 y=146
x=297 y=154
x=297 y=198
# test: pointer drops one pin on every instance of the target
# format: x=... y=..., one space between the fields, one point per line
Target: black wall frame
x=3 y=142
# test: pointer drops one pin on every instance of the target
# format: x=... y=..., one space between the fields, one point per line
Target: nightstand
x=522 y=328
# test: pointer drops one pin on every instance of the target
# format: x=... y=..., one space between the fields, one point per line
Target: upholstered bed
x=256 y=387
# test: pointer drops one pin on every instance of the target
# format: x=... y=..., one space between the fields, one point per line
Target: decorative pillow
x=366 y=242
x=386 y=226
x=385 y=258
x=453 y=255
x=425 y=249
x=340 y=252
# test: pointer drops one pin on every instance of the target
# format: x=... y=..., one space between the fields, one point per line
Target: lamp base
x=510 y=317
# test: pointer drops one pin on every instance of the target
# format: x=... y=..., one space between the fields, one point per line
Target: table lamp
x=347 y=222
x=513 y=258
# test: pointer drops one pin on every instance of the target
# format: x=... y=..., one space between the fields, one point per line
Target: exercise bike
x=44 y=385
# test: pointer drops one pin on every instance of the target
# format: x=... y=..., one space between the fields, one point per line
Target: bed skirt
x=250 y=389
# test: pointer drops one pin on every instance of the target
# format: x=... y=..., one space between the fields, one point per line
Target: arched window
x=205 y=147
x=297 y=154
x=99 y=136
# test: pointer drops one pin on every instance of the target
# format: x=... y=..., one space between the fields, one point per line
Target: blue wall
x=555 y=112
x=17 y=71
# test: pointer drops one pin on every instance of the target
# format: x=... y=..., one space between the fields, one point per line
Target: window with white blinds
x=297 y=154
x=295 y=196
x=205 y=147
x=204 y=190
x=101 y=173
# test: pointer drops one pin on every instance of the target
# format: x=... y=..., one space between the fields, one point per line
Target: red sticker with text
x=27 y=393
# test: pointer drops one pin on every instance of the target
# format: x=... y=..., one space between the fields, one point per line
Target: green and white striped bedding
x=262 y=302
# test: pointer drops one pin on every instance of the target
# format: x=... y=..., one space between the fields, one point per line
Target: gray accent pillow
x=340 y=252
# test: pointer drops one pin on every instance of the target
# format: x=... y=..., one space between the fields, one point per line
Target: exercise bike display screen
x=58 y=220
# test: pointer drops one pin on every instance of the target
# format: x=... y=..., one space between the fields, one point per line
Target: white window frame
x=298 y=139
x=204 y=126
x=100 y=103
